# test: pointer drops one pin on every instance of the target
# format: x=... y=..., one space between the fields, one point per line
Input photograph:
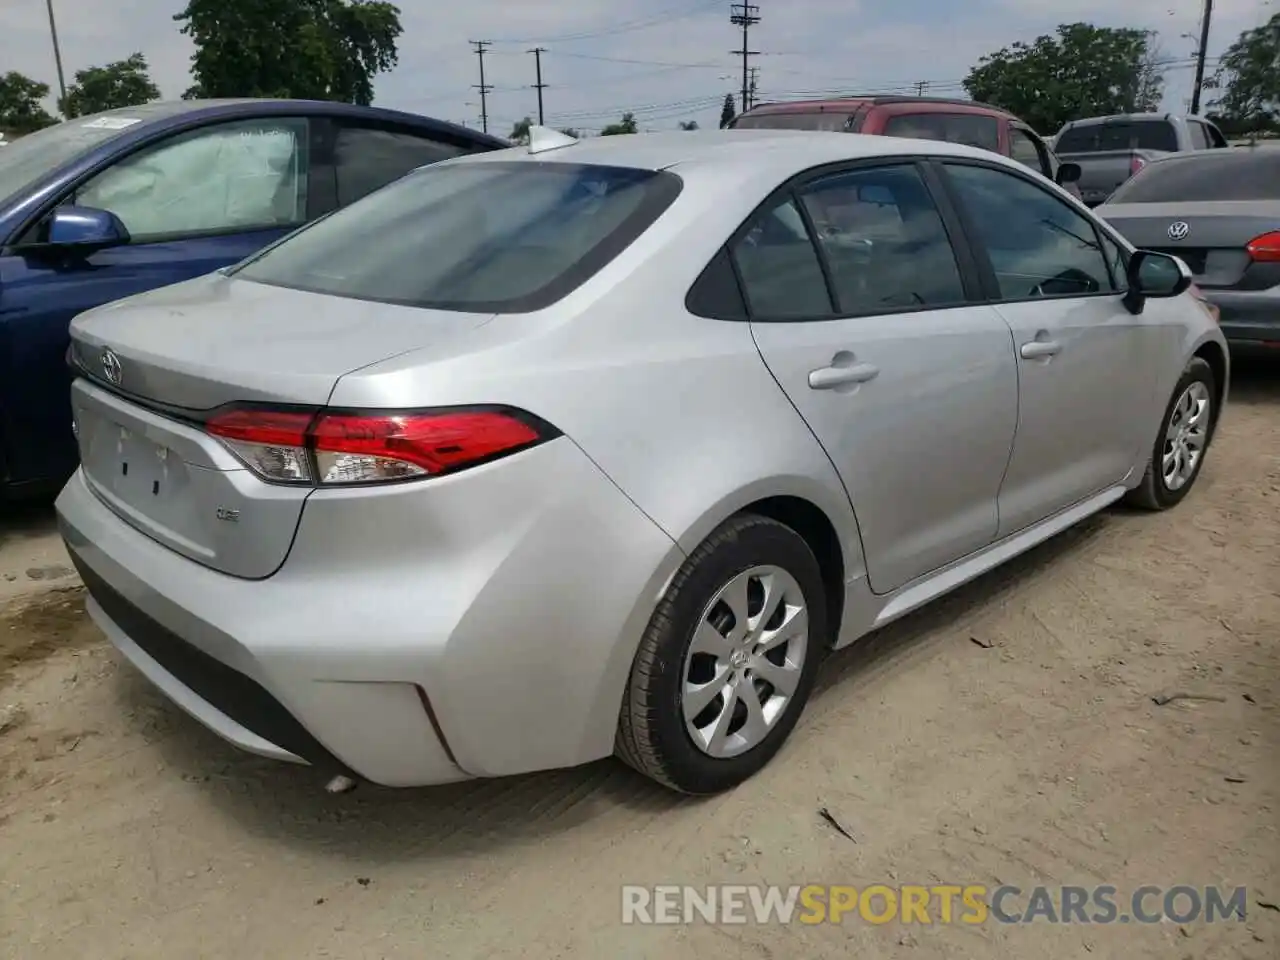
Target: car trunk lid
x=1209 y=236
x=158 y=363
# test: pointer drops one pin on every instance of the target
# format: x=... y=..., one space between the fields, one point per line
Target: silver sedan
x=599 y=447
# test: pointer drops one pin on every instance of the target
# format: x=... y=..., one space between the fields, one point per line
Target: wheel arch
x=1213 y=353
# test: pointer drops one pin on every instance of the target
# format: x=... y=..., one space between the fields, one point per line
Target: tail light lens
x=1136 y=163
x=1265 y=249
x=341 y=448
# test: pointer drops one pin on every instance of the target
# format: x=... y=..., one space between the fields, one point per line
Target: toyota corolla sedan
x=599 y=447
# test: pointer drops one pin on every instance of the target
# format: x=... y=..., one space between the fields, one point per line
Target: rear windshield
x=1121 y=135
x=1239 y=173
x=489 y=237
x=825 y=120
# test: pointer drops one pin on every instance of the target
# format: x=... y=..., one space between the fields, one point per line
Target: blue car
x=106 y=206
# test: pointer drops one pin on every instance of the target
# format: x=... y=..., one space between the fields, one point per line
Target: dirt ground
x=1006 y=735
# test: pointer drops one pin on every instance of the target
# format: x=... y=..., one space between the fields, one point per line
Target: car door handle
x=1036 y=349
x=828 y=378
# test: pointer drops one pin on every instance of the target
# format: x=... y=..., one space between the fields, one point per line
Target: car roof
x=798 y=148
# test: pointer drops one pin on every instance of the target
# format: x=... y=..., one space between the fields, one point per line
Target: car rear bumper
x=1247 y=316
x=403 y=647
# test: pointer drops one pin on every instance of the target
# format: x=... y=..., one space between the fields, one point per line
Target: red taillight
x=1136 y=163
x=344 y=448
x=1265 y=249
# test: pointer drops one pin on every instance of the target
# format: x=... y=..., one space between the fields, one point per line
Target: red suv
x=925 y=118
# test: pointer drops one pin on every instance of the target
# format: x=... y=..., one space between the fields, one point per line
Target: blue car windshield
x=26 y=159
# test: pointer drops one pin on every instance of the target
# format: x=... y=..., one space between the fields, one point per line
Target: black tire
x=1153 y=493
x=651 y=731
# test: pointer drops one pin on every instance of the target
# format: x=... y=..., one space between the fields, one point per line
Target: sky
x=665 y=60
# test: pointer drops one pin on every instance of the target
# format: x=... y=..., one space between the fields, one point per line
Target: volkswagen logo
x=111 y=368
x=1179 y=230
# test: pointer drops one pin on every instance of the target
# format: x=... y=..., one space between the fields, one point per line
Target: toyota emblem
x=1179 y=230
x=111 y=368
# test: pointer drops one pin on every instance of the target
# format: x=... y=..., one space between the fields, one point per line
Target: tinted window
x=368 y=158
x=1238 y=173
x=779 y=267
x=884 y=241
x=794 y=121
x=245 y=175
x=1027 y=151
x=971 y=129
x=1123 y=135
x=1198 y=134
x=1038 y=246
x=491 y=237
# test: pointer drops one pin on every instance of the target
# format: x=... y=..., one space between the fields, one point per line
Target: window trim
x=966 y=263
x=313 y=125
x=991 y=283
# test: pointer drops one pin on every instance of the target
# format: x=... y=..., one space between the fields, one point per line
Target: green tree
x=626 y=125
x=309 y=49
x=728 y=111
x=124 y=83
x=1082 y=71
x=520 y=131
x=688 y=124
x=1249 y=77
x=20 y=109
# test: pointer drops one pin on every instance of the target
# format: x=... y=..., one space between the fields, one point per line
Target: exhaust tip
x=340 y=784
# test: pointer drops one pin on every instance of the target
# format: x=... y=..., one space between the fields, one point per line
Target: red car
x=926 y=118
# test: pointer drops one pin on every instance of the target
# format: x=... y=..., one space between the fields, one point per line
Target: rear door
x=860 y=306
x=192 y=203
x=1084 y=361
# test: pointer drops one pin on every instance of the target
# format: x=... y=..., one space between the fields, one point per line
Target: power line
x=745 y=15
x=653 y=20
x=539 y=86
x=484 y=88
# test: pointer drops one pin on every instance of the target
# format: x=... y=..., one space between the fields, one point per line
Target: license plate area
x=146 y=471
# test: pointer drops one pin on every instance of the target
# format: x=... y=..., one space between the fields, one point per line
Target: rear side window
x=972 y=130
x=490 y=237
x=1122 y=135
x=779 y=266
x=368 y=158
x=1199 y=135
x=884 y=241
x=835 y=122
x=1238 y=173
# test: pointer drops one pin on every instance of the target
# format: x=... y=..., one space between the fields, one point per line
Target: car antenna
x=542 y=139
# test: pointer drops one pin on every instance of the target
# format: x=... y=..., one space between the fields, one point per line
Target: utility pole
x=754 y=85
x=1200 y=55
x=539 y=86
x=481 y=46
x=921 y=86
x=746 y=16
x=57 y=58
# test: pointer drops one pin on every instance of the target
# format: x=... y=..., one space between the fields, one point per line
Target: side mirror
x=1155 y=275
x=1069 y=173
x=84 y=228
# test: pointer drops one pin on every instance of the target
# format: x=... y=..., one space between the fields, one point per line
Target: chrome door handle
x=1036 y=349
x=828 y=378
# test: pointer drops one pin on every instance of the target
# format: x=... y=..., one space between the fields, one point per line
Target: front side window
x=1027 y=151
x=781 y=274
x=1038 y=245
x=367 y=158
x=491 y=237
x=245 y=175
x=973 y=130
x=884 y=241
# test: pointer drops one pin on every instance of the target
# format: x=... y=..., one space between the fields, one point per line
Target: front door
x=192 y=204
x=911 y=389
x=1083 y=358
